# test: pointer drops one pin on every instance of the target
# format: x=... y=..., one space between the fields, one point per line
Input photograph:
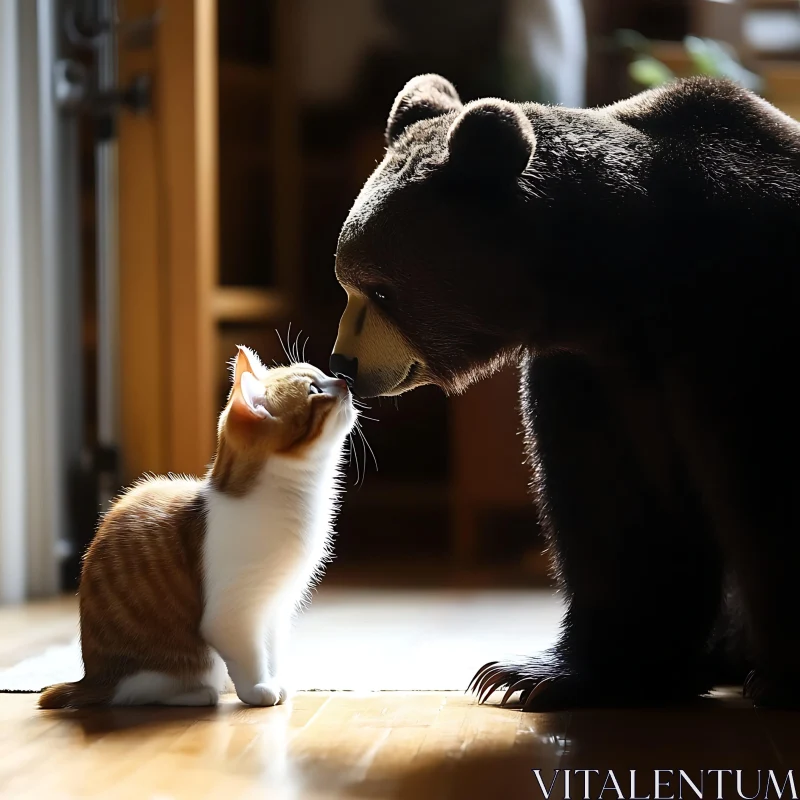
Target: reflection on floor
x=361 y=639
x=385 y=745
x=382 y=745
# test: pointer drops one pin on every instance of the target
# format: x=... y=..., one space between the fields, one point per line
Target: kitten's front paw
x=262 y=694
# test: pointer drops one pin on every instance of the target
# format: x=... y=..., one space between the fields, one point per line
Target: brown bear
x=638 y=262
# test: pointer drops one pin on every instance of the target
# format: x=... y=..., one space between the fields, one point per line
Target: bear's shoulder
x=703 y=105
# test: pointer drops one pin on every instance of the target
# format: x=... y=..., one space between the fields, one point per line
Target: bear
x=638 y=263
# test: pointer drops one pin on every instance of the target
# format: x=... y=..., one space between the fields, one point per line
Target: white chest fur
x=266 y=547
x=262 y=553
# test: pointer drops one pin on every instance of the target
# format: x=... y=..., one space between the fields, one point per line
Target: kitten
x=186 y=577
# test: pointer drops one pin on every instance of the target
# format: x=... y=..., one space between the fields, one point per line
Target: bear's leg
x=640 y=574
x=738 y=426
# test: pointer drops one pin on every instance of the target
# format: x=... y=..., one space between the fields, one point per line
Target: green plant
x=708 y=57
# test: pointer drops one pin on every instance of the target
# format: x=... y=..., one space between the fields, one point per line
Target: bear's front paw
x=540 y=688
x=769 y=691
x=551 y=683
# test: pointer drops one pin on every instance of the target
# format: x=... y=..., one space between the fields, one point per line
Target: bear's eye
x=380 y=294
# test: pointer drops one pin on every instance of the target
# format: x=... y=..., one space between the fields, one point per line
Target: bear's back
x=731 y=141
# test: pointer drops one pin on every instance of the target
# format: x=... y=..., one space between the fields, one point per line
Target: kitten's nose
x=336 y=387
x=344 y=367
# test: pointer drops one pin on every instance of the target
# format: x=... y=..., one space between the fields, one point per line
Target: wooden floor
x=387 y=745
x=382 y=745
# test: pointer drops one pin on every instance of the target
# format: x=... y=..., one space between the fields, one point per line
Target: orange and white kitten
x=188 y=577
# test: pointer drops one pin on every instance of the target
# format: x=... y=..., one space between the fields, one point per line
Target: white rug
x=368 y=640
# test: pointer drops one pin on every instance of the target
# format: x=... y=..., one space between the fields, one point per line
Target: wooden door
x=168 y=241
x=184 y=305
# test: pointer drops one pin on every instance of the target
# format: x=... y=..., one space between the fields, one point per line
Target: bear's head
x=432 y=253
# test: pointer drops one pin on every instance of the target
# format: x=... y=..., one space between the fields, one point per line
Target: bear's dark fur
x=639 y=261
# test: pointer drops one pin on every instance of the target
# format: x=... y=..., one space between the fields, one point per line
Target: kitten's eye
x=314 y=389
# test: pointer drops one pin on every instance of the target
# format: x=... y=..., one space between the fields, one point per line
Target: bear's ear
x=423 y=97
x=491 y=139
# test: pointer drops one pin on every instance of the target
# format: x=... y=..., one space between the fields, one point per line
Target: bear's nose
x=344 y=367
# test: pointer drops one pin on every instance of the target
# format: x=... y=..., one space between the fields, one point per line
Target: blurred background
x=174 y=174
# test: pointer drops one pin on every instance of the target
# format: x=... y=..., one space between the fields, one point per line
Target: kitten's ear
x=246 y=361
x=249 y=401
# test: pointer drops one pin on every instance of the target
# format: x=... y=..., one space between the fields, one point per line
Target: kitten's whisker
x=296 y=348
x=355 y=458
x=283 y=347
x=369 y=447
x=288 y=343
x=304 y=347
x=364 y=462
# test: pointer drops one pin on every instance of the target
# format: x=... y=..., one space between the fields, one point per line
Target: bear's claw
x=523 y=686
x=548 y=691
x=768 y=692
x=549 y=683
x=489 y=678
x=473 y=684
x=493 y=676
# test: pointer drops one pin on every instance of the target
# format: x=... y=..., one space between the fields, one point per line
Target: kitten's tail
x=74 y=695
